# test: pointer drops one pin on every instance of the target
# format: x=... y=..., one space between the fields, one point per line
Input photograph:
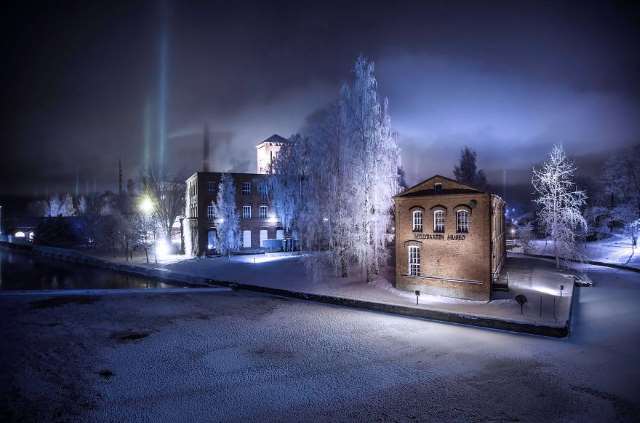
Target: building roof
x=424 y=188
x=275 y=138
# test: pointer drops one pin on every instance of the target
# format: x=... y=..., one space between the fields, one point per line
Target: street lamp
x=146 y=205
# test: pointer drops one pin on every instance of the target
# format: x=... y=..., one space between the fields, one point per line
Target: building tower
x=267 y=151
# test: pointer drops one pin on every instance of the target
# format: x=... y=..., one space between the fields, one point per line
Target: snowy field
x=616 y=249
x=238 y=356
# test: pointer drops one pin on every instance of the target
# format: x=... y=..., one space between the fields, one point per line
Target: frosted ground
x=238 y=356
x=617 y=249
x=537 y=279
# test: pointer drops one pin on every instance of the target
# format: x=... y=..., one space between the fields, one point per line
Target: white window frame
x=438 y=224
x=416 y=220
x=246 y=188
x=263 y=211
x=211 y=211
x=246 y=212
x=462 y=223
x=413 y=255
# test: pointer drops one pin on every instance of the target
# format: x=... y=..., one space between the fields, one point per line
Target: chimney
x=205 y=149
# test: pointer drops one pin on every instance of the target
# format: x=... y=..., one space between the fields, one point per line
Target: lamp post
x=146 y=207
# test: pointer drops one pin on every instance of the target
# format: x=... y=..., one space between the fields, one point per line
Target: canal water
x=21 y=271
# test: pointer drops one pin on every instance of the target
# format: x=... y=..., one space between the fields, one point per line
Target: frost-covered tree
x=168 y=195
x=345 y=172
x=466 y=171
x=559 y=203
x=59 y=206
x=226 y=214
x=622 y=182
x=285 y=183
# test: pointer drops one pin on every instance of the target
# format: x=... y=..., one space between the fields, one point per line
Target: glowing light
x=325 y=219
x=19 y=234
x=513 y=231
x=272 y=219
x=547 y=290
x=146 y=205
x=162 y=248
x=31 y=236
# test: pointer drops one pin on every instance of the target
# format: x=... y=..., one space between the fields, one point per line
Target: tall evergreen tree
x=466 y=171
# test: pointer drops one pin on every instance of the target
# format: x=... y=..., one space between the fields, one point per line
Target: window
x=246 y=188
x=438 y=221
x=263 y=212
x=211 y=186
x=264 y=192
x=462 y=221
x=210 y=212
x=417 y=220
x=246 y=212
x=438 y=187
x=414 y=260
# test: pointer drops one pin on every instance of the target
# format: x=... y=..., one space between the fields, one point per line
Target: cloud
x=438 y=105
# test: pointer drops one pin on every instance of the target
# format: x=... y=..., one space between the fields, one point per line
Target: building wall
x=266 y=153
x=202 y=190
x=452 y=264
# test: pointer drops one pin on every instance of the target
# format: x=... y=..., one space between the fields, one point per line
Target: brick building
x=449 y=239
x=259 y=225
x=258 y=222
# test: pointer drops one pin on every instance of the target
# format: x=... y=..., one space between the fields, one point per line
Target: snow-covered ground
x=537 y=279
x=239 y=356
x=617 y=249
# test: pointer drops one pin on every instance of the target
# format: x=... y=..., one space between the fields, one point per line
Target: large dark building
x=450 y=239
x=259 y=225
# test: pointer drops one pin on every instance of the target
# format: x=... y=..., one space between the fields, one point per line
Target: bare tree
x=168 y=199
x=559 y=203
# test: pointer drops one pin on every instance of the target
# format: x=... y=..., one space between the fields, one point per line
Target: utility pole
x=119 y=177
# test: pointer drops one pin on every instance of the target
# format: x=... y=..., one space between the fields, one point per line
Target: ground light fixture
x=417 y=296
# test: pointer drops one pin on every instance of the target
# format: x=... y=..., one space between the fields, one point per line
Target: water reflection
x=20 y=271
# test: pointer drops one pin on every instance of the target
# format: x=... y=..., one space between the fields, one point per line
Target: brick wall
x=452 y=264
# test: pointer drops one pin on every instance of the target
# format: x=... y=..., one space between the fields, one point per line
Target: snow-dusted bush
x=559 y=203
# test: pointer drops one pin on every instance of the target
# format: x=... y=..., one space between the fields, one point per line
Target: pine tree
x=466 y=171
x=559 y=203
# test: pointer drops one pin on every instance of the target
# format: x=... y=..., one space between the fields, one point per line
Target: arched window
x=438 y=221
x=417 y=220
x=413 y=252
x=462 y=221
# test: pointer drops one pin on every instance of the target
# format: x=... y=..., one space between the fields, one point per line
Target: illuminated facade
x=267 y=151
x=258 y=222
x=449 y=239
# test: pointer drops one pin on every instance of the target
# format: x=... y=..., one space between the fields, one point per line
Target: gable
x=427 y=187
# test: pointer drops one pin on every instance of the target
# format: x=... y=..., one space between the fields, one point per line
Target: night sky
x=507 y=78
